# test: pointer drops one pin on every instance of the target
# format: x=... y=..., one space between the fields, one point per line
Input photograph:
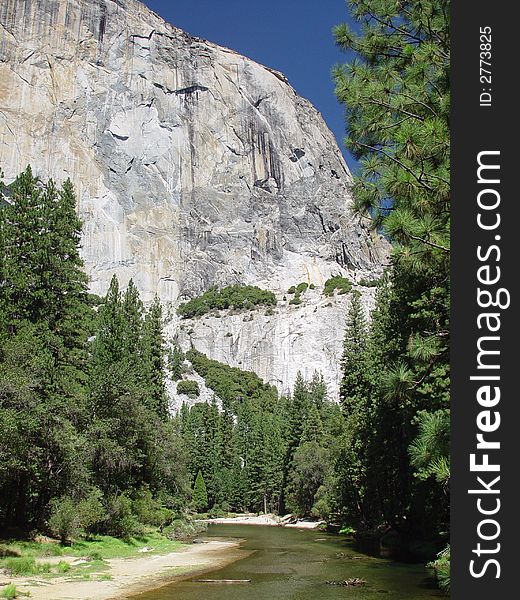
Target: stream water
x=295 y=564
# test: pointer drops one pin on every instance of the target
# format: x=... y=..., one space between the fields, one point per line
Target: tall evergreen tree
x=353 y=386
x=153 y=357
x=396 y=96
x=199 y=497
x=44 y=328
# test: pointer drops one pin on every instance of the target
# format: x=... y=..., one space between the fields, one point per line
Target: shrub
x=120 y=521
x=347 y=530
x=369 y=282
x=91 y=512
x=337 y=283
x=183 y=530
x=312 y=286
x=188 y=387
x=64 y=521
x=296 y=300
x=441 y=566
x=149 y=510
x=233 y=296
x=217 y=512
x=302 y=287
x=291 y=290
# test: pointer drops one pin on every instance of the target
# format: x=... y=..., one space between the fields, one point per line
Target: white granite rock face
x=305 y=338
x=194 y=165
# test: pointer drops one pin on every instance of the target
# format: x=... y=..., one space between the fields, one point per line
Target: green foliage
x=9 y=591
x=64 y=521
x=348 y=530
x=395 y=388
x=369 y=282
x=396 y=94
x=429 y=452
x=199 y=498
x=149 y=510
x=83 y=414
x=232 y=385
x=353 y=363
x=175 y=360
x=24 y=565
x=188 y=387
x=441 y=566
x=337 y=283
x=233 y=296
x=91 y=512
x=63 y=567
x=245 y=451
x=121 y=521
x=184 y=530
x=297 y=291
x=309 y=469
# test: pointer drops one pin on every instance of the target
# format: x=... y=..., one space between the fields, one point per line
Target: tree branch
x=398 y=162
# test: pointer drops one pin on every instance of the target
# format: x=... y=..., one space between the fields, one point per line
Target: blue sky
x=292 y=36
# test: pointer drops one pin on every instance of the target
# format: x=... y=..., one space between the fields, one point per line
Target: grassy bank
x=47 y=558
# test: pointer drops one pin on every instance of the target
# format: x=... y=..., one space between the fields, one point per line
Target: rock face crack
x=191 y=89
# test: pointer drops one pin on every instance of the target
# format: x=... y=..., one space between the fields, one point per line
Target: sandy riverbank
x=271 y=520
x=130 y=576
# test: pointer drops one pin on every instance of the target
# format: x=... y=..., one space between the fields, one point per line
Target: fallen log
x=221 y=580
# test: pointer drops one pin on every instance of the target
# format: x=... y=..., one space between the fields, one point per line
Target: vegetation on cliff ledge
x=233 y=296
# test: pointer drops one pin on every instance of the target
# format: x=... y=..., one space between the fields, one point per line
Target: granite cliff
x=194 y=166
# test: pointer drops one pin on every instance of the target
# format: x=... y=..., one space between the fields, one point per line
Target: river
x=295 y=564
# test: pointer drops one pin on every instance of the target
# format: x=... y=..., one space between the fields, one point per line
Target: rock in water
x=194 y=166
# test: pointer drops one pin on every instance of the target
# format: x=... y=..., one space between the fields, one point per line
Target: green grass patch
x=24 y=548
x=96 y=551
x=63 y=567
x=24 y=565
x=9 y=591
x=104 y=547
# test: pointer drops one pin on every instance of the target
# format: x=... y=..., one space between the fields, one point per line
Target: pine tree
x=153 y=354
x=199 y=497
x=23 y=252
x=313 y=427
x=396 y=95
x=44 y=328
x=352 y=386
x=299 y=409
